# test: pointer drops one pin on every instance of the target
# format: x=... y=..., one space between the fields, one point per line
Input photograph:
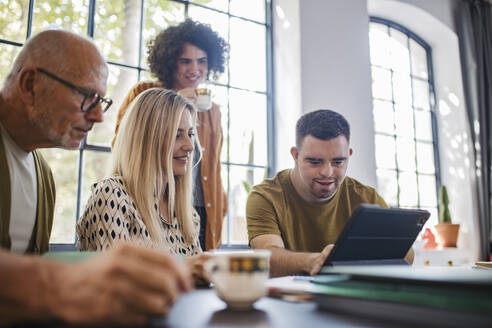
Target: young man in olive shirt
x=299 y=214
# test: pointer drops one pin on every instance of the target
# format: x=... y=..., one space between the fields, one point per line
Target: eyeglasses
x=91 y=98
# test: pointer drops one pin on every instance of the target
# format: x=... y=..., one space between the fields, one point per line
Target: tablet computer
x=376 y=235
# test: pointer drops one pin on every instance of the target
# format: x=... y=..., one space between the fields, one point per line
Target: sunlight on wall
x=287 y=59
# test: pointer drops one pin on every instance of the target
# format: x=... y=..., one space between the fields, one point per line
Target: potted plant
x=447 y=232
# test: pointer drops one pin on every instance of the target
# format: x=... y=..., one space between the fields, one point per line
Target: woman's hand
x=195 y=265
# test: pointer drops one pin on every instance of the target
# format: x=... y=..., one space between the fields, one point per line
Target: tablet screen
x=374 y=233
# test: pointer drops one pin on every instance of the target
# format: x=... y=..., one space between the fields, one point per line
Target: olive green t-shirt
x=275 y=207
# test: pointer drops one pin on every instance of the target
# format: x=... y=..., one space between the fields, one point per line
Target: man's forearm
x=284 y=262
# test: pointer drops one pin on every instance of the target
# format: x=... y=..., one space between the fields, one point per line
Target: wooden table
x=202 y=308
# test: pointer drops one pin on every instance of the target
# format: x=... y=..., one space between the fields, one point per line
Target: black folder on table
x=376 y=235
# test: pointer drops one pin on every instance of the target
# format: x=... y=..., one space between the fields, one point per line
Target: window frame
x=432 y=105
x=270 y=116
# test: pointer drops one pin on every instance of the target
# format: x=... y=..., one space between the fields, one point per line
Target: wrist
x=310 y=260
x=39 y=291
x=50 y=283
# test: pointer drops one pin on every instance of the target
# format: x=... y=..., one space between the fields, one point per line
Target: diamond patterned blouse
x=111 y=215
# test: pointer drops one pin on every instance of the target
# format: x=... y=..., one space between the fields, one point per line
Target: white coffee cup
x=240 y=277
x=203 y=99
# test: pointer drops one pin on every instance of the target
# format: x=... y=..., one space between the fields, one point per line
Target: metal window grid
x=85 y=146
x=432 y=106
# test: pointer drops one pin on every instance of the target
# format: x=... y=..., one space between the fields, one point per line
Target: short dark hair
x=323 y=124
x=166 y=48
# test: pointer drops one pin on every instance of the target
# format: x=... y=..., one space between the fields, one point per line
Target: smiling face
x=184 y=144
x=191 y=68
x=320 y=167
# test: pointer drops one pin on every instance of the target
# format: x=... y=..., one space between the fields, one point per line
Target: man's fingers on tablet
x=327 y=250
x=320 y=260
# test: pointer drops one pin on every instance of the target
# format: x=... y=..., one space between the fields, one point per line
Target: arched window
x=122 y=30
x=404 y=120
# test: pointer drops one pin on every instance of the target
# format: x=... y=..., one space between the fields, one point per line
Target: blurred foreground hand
x=124 y=286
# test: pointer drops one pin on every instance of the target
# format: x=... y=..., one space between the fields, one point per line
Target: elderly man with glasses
x=52 y=98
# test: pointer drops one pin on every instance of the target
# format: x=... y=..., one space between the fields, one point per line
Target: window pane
x=420 y=94
x=248 y=128
x=64 y=165
x=216 y=4
x=379 y=45
x=425 y=158
x=405 y=84
x=381 y=84
x=405 y=150
x=71 y=15
x=219 y=96
x=248 y=55
x=7 y=56
x=13 y=20
x=241 y=179
x=96 y=165
x=383 y=117
x=252 y=9
x=120 y=81
x=418 y=56
x=404 y=121
x=158 y=15
x=146 y=76
x=408 y=189
x=399 y=52
x=116 y=32
x=423 y=125
x=385 y=152
x=427 y=190
x=218 y=22
x=388 y=186
x=402 y=89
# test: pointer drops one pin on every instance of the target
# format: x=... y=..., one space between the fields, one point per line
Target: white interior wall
x=336 y=73
x=287 y=80
x=311 y=73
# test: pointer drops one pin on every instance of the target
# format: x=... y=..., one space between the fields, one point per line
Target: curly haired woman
x=181 y=57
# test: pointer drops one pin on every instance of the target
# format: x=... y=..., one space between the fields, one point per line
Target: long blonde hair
x=143 y=152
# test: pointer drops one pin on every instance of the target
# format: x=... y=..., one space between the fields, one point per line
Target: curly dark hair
x=166 y=48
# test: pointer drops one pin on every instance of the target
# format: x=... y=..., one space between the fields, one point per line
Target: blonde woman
x=181 y=57
x=148 y=197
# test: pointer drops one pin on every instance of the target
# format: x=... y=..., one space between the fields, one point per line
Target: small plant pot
x=447 y=234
